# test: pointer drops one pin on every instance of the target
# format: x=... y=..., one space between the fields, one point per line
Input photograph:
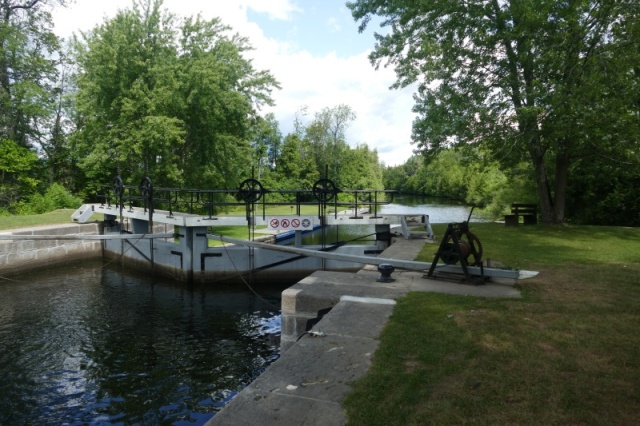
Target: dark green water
x=86 y=344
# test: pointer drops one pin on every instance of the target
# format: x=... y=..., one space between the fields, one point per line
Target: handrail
x=209 y=202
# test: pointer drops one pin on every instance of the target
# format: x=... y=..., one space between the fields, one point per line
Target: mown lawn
x=64 y=216
x=25 y=221
x=568 y=352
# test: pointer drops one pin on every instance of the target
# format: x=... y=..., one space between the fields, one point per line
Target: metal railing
x=250 y=194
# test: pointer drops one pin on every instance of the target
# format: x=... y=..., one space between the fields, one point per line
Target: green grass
x=64 y=216
x=525 y=247
x=567 y=353
x=241 y=232
x=50 y=218
x=278 y=210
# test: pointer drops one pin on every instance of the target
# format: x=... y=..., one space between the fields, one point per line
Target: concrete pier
x=330 y=327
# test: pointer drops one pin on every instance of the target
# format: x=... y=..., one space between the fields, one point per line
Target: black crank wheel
x=475 y=248
x=448 y=254
x=146 y=188
x=118 y=187
x=251 y=190
x=324 y=190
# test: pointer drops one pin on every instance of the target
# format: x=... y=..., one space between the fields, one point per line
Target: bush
x=56 y=197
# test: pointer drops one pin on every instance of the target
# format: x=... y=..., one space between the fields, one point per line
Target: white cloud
x=333 y=25
x=384 y=117
x=275 y=9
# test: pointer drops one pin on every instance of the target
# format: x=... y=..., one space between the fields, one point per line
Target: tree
x=28 y=50
x=327 y=134
x=54 y=145
x=360 y=169
x=16 y=163
x=267 y=142
x=530 y=79
x=27 y=67
x=169 y=99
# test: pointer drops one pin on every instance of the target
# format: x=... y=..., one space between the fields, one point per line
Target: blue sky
x=319 y=26
x=312 y=47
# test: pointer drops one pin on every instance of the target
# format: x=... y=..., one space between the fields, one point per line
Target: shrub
x=56 y=197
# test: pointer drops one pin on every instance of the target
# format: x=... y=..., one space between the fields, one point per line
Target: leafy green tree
x=401 y=177
x=16 y=179
x=267 y=142
x=290 y=162
x=605 y=193
x=55 y=197
x=27 y=68
x=465 y=174
x=361 y=169
x=327 y=135
x=543 y=80
x=169 y=99
x=28 y=72
x=58 y=158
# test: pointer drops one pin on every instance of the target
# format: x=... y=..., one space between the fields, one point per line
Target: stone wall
x=18 y=256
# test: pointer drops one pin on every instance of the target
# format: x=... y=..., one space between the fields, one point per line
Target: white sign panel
x=290 y=223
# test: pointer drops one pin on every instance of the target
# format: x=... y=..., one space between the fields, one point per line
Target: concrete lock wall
x=167 y=256
x=188 y=257
x=18 y=256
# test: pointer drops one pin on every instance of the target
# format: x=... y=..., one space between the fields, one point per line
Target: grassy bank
x=567 y=353
x=24 y=221
x=63 y=216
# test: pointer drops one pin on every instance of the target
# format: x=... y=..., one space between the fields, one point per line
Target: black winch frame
x=459 y=245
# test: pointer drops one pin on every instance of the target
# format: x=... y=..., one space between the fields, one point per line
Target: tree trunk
x=542 y=185
x=552 y=204
x=562 y=175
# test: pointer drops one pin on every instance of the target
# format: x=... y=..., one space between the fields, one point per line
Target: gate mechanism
x=118 y=187
x=459 y=245
x=250 y=190
x=324 y=190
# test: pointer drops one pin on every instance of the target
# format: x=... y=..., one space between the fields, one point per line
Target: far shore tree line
x=534 y=101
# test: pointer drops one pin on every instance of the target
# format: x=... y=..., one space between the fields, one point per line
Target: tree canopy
x=515 y=101
x=169 y=98
x=28 y=75
x=551 y=81
x=27 y=68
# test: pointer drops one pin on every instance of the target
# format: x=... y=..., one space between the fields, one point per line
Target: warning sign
x=290 y=223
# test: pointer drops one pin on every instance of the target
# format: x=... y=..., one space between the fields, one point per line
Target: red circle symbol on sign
x=285 y=223
x=274 y=223
x=295 y=223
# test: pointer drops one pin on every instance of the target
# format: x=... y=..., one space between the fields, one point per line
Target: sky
x=312 y=47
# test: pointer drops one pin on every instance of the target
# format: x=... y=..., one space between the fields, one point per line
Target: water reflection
x=438 y=210
x=85 y=344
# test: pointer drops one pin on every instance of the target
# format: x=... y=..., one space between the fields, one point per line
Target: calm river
x=88 y=343
x=402 y=204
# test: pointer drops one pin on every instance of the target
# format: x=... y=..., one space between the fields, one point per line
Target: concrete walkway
x=307 y=384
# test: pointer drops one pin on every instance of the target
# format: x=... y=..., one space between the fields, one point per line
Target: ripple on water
x=84 y=344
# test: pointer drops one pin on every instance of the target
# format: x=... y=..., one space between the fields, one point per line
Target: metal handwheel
x=251 y=190
x=118 y=187
x=146 y=188
x=324 y=190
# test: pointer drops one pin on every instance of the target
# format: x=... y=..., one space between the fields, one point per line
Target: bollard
x=385 y=273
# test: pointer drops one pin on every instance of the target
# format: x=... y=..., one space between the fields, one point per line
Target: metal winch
x=459 y=246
